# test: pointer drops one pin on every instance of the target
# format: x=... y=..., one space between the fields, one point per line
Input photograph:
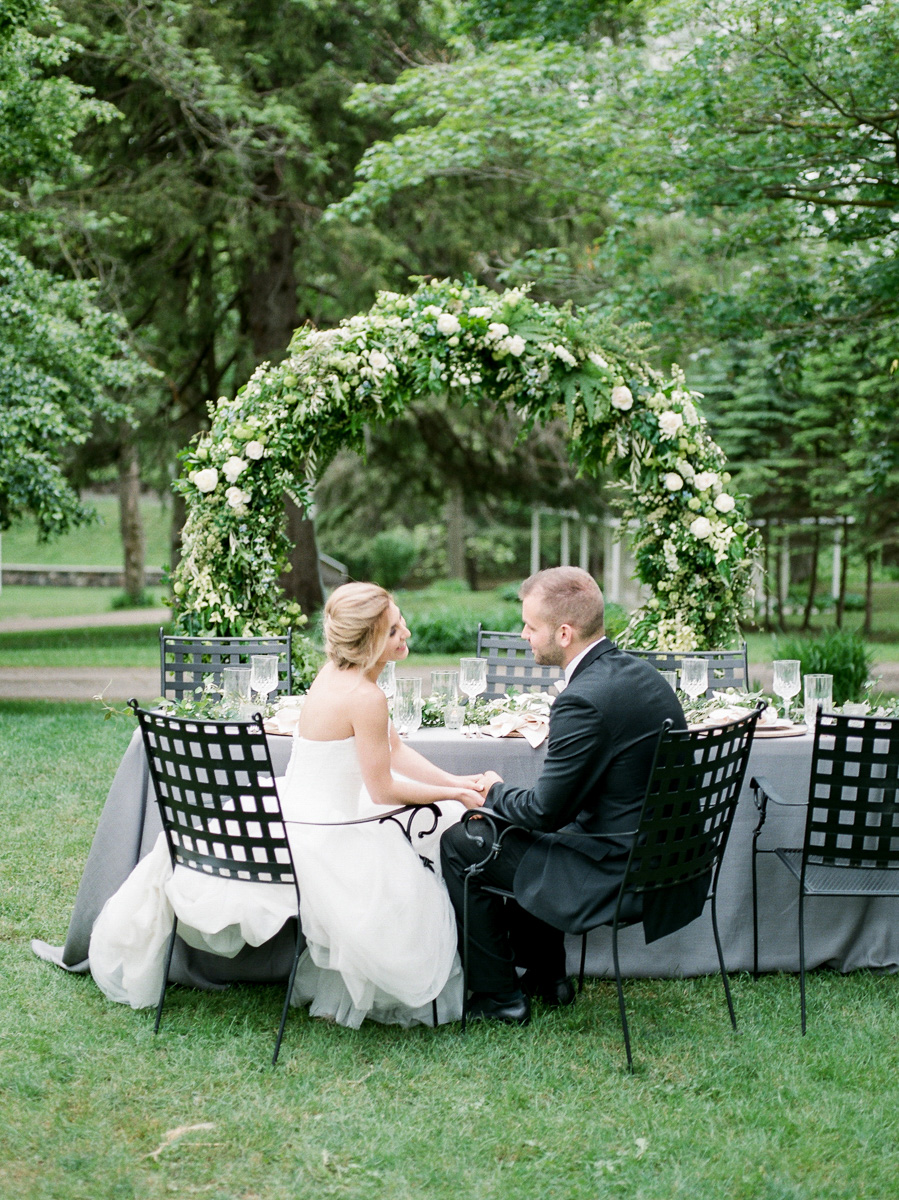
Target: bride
x=380 y=930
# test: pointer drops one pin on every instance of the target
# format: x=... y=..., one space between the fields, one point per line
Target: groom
x=602 y=734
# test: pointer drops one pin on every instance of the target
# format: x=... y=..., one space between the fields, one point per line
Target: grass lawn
x=97 y=1108
x=96 y=545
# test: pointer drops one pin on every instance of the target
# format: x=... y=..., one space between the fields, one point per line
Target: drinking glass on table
x=694 y=677
x=236 y=692
x=786 y=682
x=473 y=679
x=407 y=705
x=817 y=690
x=263 y=675
x=387 y=679
x=445 y=690
x=670 y=678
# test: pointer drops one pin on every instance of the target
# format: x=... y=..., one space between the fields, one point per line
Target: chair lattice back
x=216 y=792
x=511 y=664
x=853 y=817
x=186 y=661
x=727 y=668
x=689 y=804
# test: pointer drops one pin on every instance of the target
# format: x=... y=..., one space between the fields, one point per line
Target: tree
x=63 y=361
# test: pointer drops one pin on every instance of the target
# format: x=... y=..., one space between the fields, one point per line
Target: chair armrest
x=764 y=791
x=407 y=811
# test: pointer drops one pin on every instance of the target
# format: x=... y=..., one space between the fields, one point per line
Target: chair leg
x=802 y=957
x=293 y=974
x=621 y=1008
x=755 y=910
x=465 y=952
x=580 y=978
x=724 y=980
x=165 y=973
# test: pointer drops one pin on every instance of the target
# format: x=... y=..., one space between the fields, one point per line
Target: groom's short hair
x=568 y=596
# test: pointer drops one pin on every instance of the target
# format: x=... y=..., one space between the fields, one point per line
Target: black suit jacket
x=602 y=734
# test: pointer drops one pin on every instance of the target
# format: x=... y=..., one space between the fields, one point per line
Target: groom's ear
x=566 y=635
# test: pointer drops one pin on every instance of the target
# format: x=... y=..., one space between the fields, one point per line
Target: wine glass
x=786 y=682
x=263 y=675
x=472 y=676
x=387 y=679
x=694 y=677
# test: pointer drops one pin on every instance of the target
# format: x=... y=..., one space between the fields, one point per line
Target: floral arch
x=284 y=426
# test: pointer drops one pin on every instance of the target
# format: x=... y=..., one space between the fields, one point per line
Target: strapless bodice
x=323 y=780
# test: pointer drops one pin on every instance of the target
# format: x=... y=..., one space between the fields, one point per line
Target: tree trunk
x=766 y=567
x=130 y=523
x=179 y=516
x=868 y=626
x=302 y=581
x=844 y=567
x=813 y=579
x=454 y=515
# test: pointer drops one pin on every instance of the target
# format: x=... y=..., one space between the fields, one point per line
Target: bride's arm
x=369 y=718
x=409 y=762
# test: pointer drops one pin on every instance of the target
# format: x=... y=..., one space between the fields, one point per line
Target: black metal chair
x=851 y=843
x=727 y=668
x=184 y=662
x=681 y=834
x=220 y=811
x=511 y=664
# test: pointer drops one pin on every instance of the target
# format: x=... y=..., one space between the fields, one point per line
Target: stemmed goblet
x=694 y=677
x=473 y=679
x=786 y=682
x=263 y=675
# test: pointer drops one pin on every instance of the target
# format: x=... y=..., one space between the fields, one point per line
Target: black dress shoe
x=556 y=993
x=511 y=1008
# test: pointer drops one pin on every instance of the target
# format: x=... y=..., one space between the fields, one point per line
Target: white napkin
x=527 y=725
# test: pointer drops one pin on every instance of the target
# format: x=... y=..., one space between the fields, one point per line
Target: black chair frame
x=851 y=841
x=727 y=668
x=511 y=664
x=185 y=662
x=681 y=835
x=215 y=788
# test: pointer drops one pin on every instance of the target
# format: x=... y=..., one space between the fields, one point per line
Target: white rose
x=670 y=422
x=725 y=503
x=205 y=480
x=515 y=345
x=622 y=398
x=233 y=467
x=598 y=360
x=378 y=360
x=703 y=480
x=673 y=481
x=237 y=498
x=448 y=324
x=254 y=450
x=496 y=330
x=701 y=528
x=432 y=310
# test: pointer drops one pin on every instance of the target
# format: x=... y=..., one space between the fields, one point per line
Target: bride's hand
x=468 y=797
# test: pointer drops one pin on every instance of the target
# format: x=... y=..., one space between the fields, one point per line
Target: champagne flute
x=787 y=682
x=694 y=677
x=473 y=679
x=263 y=675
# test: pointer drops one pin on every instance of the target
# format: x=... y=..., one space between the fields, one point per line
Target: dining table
x=844 y=934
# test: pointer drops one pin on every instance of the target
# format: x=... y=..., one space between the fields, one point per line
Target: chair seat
x=822 y=879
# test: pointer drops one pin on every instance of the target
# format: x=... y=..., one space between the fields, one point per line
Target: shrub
x=453 y=632
x=391 y=556
x=839 y=653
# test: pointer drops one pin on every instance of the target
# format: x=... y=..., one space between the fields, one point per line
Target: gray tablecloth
x=845 y=934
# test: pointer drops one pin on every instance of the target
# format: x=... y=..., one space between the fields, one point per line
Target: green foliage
x=449 y=632
x=391 y=556
x=290 y=420
x=841 y=654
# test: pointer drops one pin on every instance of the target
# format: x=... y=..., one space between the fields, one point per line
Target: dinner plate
x=762 y=731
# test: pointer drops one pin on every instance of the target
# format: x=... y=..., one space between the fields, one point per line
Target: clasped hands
x=479 y=785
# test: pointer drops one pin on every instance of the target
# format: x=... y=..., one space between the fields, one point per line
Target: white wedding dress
x=379 y=925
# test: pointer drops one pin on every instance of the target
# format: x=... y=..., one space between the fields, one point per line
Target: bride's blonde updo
x=356 y=625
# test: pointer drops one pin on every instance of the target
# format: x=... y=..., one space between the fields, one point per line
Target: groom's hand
x=488 y=779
